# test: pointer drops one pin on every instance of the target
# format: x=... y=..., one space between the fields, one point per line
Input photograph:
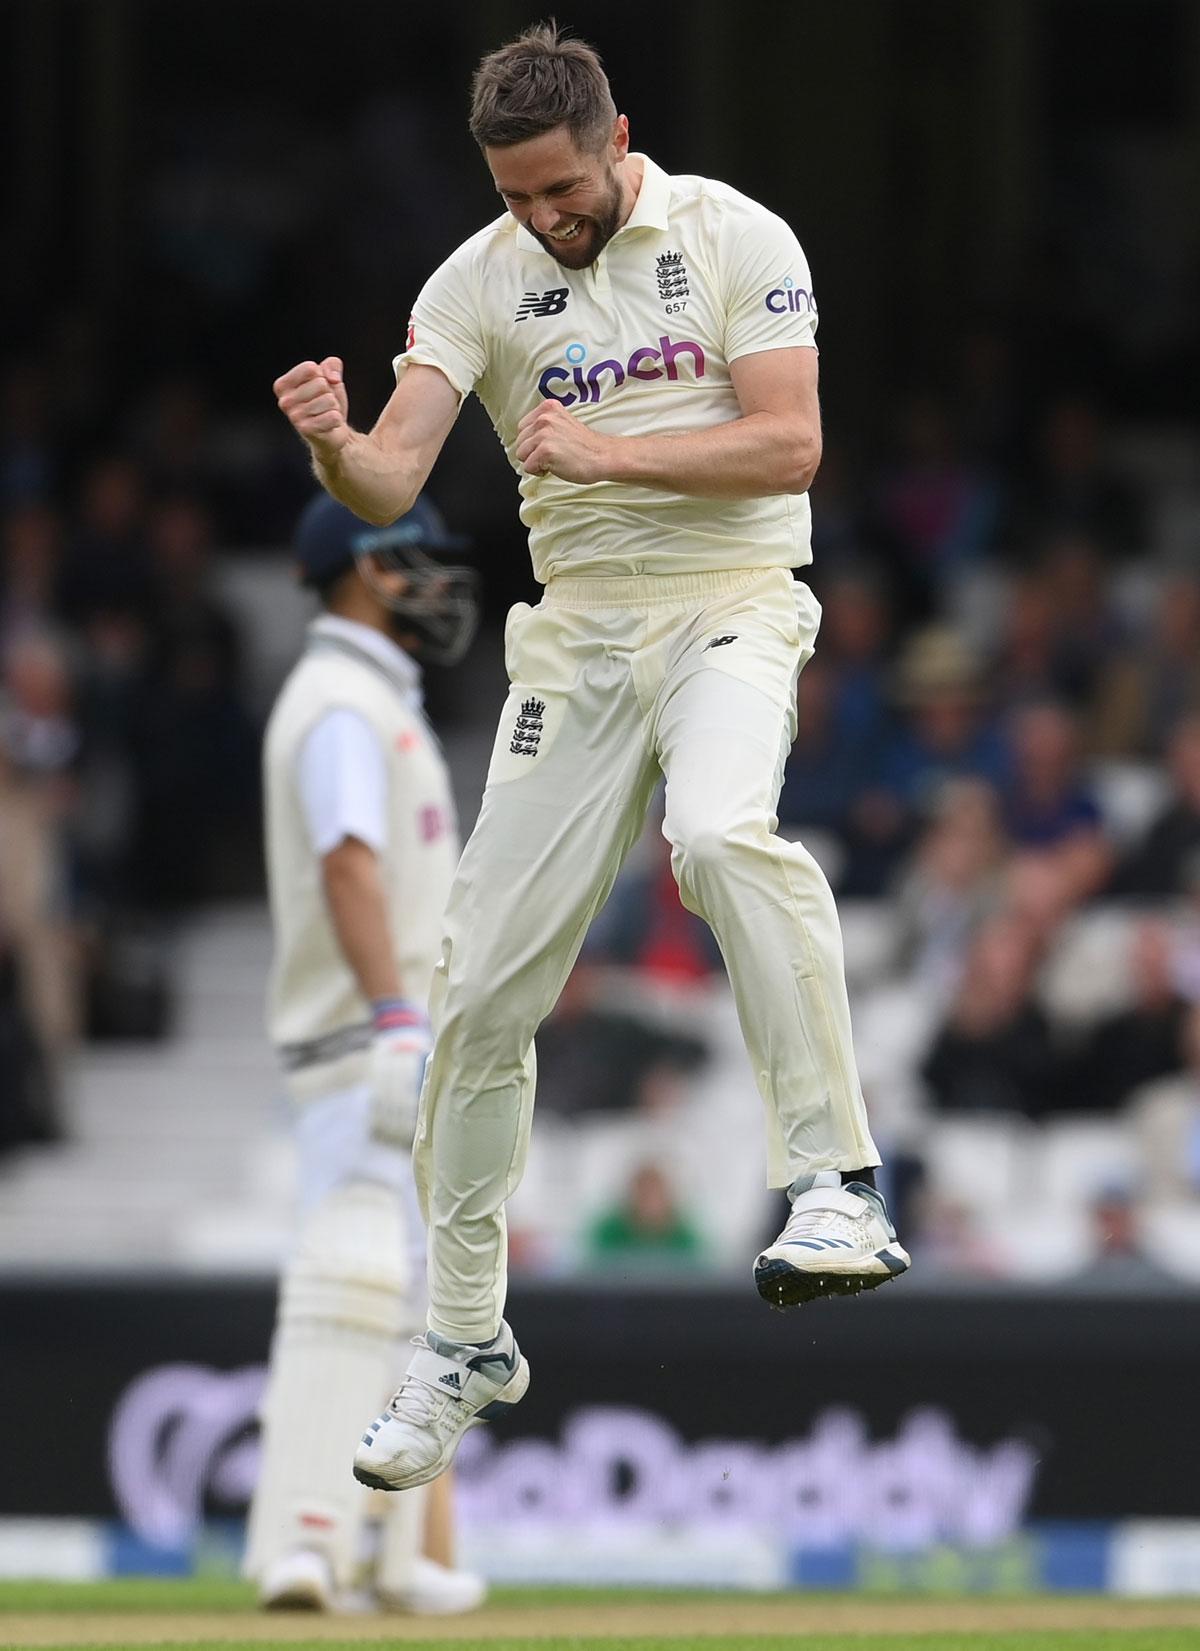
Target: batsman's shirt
x=639 y=342
x=348 y=753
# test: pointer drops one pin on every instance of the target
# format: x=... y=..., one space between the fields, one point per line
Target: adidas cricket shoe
x=448 y=1388
x=837 y=1241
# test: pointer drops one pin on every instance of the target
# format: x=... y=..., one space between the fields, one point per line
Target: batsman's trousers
x=614 y=683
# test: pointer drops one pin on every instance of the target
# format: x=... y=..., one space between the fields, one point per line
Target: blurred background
x=998 y=761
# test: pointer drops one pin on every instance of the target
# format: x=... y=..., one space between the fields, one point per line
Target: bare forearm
x=764 y=451
x=757 y=454
x=373 y=481
x=378 y=473
x=773 y=446
x=358 y=909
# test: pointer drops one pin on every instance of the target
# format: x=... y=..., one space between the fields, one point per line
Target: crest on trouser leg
x=527 y=733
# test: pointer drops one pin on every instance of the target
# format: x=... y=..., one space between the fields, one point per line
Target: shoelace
x=414 y=1401
x=820 y=1223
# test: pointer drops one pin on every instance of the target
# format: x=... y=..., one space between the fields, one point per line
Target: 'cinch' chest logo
x=644 y=363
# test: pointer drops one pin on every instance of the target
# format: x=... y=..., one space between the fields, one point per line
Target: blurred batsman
x=361 y=847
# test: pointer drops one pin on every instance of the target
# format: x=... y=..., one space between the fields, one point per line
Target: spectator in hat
x=948 y=730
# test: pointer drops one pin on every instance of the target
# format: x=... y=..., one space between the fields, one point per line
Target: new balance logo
x=718 y=642
x=451 y=1379
x=672 y=276
x=551 y=302
x=528 y=730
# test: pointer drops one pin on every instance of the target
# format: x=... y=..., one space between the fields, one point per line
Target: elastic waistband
x=645 y=590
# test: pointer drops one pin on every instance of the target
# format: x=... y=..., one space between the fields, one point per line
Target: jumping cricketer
x=645 y=347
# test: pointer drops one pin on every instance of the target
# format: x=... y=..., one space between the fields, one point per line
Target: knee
x=701 y=850
x=480 y=1024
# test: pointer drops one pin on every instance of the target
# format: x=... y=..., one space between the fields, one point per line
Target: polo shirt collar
x=395 y=663
x=651 y=210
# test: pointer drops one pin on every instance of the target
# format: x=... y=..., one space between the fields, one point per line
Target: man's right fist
x=313 y=397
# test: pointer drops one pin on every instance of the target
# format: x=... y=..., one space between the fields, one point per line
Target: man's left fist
x=551 y=442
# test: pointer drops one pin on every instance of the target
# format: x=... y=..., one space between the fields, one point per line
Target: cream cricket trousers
x=614 y=683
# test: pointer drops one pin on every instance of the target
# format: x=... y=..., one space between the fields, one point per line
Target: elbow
x=347 y=864
x=375 y=516
x=375 y=512
x=804 y=460
x=383 y=515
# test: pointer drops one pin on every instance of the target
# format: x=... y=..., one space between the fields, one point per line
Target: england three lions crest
x=527 y=733
x=672 y=276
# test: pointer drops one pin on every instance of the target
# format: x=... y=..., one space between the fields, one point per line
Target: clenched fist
x=550 y=440
x=313 y=397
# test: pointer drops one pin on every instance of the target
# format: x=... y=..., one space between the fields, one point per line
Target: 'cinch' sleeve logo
x=790 y=297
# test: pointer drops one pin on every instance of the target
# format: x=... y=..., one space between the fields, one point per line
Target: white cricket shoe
x=299 y=1581
x=837 y=1241
x=435 y=1590
x=448 y=1387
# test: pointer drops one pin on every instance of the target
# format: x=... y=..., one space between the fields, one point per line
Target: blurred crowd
x=998 y=739
x=128 y=752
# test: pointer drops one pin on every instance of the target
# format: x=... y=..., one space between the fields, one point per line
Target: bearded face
x=571 y=200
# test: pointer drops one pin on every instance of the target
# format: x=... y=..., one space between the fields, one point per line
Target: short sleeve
x=769 y=302
x=343 y=782
x=444 y=330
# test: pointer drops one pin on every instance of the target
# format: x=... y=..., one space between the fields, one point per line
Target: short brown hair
x=539 y=81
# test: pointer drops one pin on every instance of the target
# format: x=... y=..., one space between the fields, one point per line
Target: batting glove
x=398 y=1053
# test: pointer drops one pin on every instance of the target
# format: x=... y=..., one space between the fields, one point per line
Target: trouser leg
x=724 y=728
x=567 y=792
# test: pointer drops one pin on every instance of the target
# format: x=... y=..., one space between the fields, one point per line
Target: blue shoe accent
x=498 y=1407
x=893 y=1263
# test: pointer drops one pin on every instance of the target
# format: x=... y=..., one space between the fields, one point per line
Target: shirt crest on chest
x=671 y=273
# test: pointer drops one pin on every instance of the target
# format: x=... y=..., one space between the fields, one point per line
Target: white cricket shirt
x=639 y=342
x=351 y=692
x=344 y=782
x=342 y=766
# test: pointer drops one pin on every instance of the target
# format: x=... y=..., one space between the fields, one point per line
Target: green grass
x=128 y=1594
x=1145 y=1639
x=74 y=1603
x=201 y=1593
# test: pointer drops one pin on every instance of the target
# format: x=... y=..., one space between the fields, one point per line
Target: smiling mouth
x=567 y=234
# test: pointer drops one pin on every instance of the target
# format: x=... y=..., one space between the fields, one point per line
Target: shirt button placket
x=602 y=288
